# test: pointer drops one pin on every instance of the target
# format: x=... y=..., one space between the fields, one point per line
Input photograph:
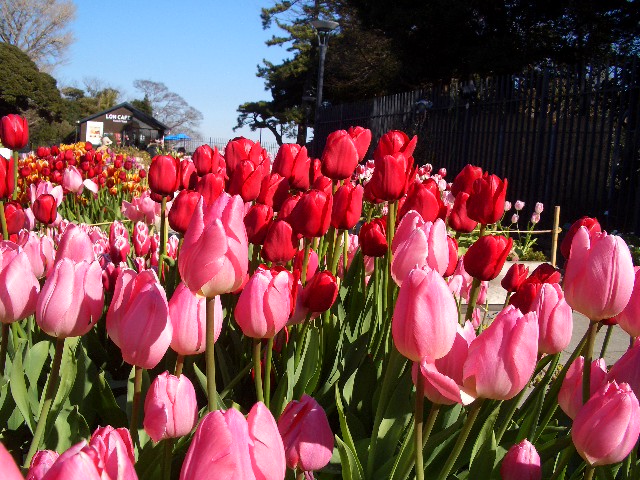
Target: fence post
x=554 y=235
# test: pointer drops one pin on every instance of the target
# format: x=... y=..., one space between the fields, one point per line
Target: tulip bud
x=6 y=177
x=347 y=206
x=458 y=219
x=592 y=226
x=521 y=462
x=425 y=316
x=606 y=428
x=264 y=304
x=516 y=275
x=170 y=407
x=486 y=200
x=257 y=222
x=182 y=210
x=485 y=258
x=312 y=214
x=320 y=292
x=599 y=275
x=340 y=156
x=45 y=209
x=14 y=131
x=373 y=238
x=555 y=319
x=465 y=179
x=306 y=434
x=164 y=175
x=40 y=464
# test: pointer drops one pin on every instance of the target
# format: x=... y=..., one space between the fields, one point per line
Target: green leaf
x=346 y=433
x=69 y=428
x=483 y=463
x=486 y=432
x=19 y=388
x=351 y=468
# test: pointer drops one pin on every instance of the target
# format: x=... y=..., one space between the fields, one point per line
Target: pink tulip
x=75 y=244
x=306 y=434
x=503 y=357
x=8 y=468
x=555 y=319
x=521 y=462
x=606 y=428
x=627 y=369
x=570 y=394
x=264 y=304
x=142 y=209
x=141 y=239
x=214 y=257
x=228 y=447
x=599 y=276
x=114 y=449
x=71 y=300
x=138 y=318
x=80 y=462
x=443 y=377
x=41 y=462
x=18 y=285
x=170 y=407
x=425 y=317
x=418 y=243
x=72 y=179
x=39 y=250
x=629 y=318
x=188 y=313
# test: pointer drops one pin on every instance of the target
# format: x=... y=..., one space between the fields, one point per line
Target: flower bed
x=307 y=318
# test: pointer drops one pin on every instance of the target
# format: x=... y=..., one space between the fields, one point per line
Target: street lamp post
x=323 y=29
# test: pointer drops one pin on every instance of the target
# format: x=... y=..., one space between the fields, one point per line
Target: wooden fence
x=563 y=136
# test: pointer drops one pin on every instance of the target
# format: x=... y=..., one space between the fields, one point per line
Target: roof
x=139 y=114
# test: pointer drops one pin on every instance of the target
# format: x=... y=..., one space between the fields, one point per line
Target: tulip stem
x=168 y=456
x=605 y=343
x=267 y=373
x=135 y=404
x=49 y=395
x=210 y=355
x=4 y=344
x=473 y=299
x=257 y=369
x=418 y=426
x=588 y=473
x=3 y=222
x=163 y=238
x=179 y=365
x=16 y=160
x=462 y=438
x=431 y=420
x=588 y=355
x=305 y=262
x=512 y=409
x=345 y=252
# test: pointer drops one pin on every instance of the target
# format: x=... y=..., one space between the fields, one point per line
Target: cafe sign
x=117 y=118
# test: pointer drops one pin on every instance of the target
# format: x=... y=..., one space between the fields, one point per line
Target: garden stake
x=210 y=358
x=49 y=395
x=418 y=426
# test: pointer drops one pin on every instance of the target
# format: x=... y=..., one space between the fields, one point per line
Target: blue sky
x=206 y=51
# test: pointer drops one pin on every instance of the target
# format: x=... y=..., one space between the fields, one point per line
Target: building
x=123 y=124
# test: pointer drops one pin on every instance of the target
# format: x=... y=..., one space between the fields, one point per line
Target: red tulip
x=14 y=131
x=425 y=199
x=170 y=407
x=15 y=217
x=280 y=242
x=340 y=156
x=521 y=462
x=570 y=394
x=182 y=210
x=465 y=179
x=361 y=139
x=486 y=201
x=516 y=275
x=293 y=163
x=306 y=434
x=274 y=191
x=257 y=222
x=205 y=160
x=347 y=206
x=393 y=142
x=236 y=151
x=264 y=304
x=164 y=175
x=188 y=175
x=458 y=218
x=592 y=226
x=599 y=275
x=485 y=258
x=210 y=187
x=312 y=214
x=138 y=318
x=453 y=256
x=391 y=176
x=373 y=238
x=320 y=292
x=503 y=357
x=6 y=177
x=425 y=316
x=606 y=428
x=246 y=180
x=71 y=300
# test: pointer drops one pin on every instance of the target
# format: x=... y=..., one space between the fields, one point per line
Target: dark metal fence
x=563 y=136
x=193 y=143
